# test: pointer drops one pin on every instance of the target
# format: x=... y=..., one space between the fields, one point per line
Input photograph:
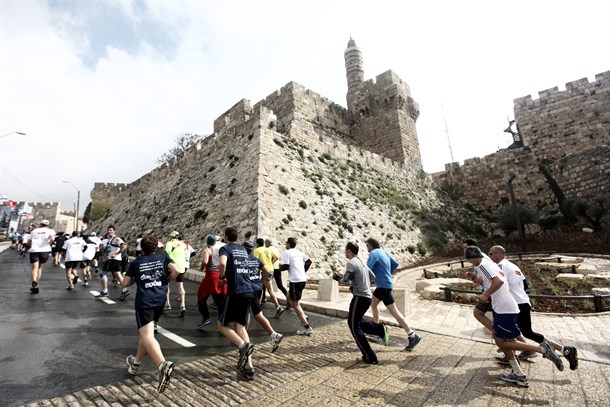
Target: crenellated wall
x=567 y=131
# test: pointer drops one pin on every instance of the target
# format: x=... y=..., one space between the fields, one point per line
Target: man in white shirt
x=518 y=285
x=40 y=250
x=73 y=248
x=505 y=313
x=98 y=242
x=297 y=263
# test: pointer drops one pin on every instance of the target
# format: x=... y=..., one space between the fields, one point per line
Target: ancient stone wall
x=103 y=191
x=567 y=131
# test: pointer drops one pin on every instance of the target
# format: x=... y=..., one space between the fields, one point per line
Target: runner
x=73 y=248
x=360 y=277
x=211 y=285
x=268 y=258
x=505 y=313
x=297 y=264
x=233 y=268
x=151 y=273
x=383 y=266
x=113 y=247
x=277 y=273
x=517 y=286
x=255 y=265
x=177 y=251
x=40 y=251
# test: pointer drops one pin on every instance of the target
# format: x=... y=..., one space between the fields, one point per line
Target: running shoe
x=86 y=283
x=74 y=280
x=526 y=356
x=511 y=377
x=155 y=327
x=245 y=373
x=34 y=289
x=124 y=295
x=550 y=354
x=386 y=336
x=278 y=312
x=69 y=287
x=167 y=306
x=182 y=311
x=305 y=331
x=103 y=294
x=571 y=354
x=204 y=323
x=275 y=341
x=360 y=359
x=165 y=373
x=413 y=341
x=132 y=366
x=244 y=352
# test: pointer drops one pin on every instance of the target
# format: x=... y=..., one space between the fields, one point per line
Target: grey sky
x=102 y=88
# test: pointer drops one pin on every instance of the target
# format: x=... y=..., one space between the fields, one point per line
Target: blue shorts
x=505 y=326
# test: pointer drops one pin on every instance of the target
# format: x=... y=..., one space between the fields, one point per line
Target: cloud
x=103 y=88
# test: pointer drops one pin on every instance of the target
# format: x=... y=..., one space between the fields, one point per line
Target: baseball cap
x=93 y=234
x=473 y=252
x=211 y=240
x=174 y=234
x=44 y=222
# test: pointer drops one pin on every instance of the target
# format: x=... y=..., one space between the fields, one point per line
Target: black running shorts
x=40 y=257
x=147 y=315
x=180 y=277
x=295 y=290
x=255 y=304
x=236 y=309
x=384 y=295
x=72 y=264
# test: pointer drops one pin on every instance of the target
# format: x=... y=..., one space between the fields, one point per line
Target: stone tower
x=383 y=113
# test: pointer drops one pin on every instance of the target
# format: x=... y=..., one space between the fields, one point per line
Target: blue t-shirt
x=255 y=265
x=237 y=271
x=382 y=265
x=150 y=273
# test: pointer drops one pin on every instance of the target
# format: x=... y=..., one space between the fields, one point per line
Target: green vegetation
x=99 y=209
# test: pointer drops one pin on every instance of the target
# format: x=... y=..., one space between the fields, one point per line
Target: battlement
x=239 y=112
x=601 y=79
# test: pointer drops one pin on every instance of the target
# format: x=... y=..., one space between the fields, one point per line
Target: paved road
x=451 y=366
x=60 y=341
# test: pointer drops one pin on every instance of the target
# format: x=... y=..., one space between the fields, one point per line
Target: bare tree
x=183 y=142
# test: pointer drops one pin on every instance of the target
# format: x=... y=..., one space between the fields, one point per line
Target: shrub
x=421 y=248
x=283 y=189
x=303 y=204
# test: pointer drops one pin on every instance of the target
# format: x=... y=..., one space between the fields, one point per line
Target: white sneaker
x=132 y=366
x=275 y=342
x=305 y=331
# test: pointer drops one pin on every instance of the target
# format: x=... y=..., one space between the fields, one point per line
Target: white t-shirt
x=189 y=251
x=296 y=265
x=501 y=300
x=40 y=240
x=112 y=246
x=139 y=244
x=25 y=238
x=74 y=248
x=515 y=279
x=90 y=251
x=96 y=240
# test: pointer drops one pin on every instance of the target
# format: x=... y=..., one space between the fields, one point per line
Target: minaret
x=354 y=68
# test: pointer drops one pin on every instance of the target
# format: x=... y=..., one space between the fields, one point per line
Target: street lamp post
x=77 y=201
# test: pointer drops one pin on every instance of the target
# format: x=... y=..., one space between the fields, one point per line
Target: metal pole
x=77 y=207
x=516 y=213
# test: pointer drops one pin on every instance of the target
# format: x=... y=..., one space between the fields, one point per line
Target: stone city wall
x=568 y=131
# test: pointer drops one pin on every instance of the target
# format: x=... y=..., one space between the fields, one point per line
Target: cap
x=174 y=234
x=472 y=252
x=93 y=234
x=44 y=222
x=248 y=245
x=211 y=240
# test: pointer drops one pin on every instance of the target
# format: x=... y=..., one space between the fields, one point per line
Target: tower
x=382 y=111
x=354 y=68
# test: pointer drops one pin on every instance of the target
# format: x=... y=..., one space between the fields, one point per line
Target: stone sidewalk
x=453 y=365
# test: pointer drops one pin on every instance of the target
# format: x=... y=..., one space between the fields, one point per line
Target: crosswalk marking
x=105 y=299
x=175 y=338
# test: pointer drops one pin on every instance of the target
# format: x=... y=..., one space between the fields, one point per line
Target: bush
x=303 y=204
x=99 y=209
x=527 y=216
x=421 y=248
x=283 y=189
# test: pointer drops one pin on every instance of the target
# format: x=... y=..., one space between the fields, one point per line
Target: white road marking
x=105 y=299
x=175 y=338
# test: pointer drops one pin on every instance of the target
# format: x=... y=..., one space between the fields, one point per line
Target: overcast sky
x=102 y=88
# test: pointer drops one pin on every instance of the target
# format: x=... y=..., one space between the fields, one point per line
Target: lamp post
x=77 y=201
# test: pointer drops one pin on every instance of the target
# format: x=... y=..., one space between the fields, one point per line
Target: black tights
x=524 y=322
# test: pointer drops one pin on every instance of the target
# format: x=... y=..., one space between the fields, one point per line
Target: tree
x=183 y=143
x=527 y=216
x=99 y=209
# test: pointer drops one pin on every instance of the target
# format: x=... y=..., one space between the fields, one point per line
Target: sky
x=102 y=88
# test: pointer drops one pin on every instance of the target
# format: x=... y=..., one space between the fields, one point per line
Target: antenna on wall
x=447 y=132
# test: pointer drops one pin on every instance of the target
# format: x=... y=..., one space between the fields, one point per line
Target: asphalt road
x=60 y=341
